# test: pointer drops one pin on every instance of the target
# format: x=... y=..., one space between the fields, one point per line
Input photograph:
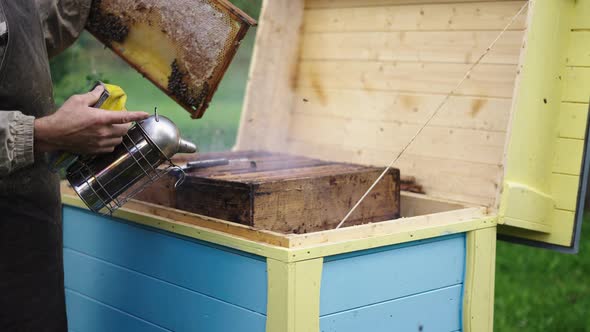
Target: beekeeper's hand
x=76 y=127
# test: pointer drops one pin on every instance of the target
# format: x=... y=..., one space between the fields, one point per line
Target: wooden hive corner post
x=478 y=298
x=294 y=295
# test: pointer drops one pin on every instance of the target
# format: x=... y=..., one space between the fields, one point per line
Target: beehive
x=353 y=81
x=358 y=79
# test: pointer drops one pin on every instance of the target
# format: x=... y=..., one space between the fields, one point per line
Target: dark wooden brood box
x=280 y=192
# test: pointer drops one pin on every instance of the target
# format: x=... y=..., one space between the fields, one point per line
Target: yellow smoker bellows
x=183 y=46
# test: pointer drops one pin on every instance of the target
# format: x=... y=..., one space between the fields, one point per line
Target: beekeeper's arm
x=16 y=138
x=62 y=20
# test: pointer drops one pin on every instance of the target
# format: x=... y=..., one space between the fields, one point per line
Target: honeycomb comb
x=182 y=46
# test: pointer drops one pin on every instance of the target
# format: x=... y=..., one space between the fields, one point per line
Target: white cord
x=433 y=114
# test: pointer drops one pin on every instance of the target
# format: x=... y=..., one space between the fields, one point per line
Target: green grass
x=541 y=290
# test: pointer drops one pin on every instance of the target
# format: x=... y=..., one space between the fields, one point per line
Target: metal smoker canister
x=106 y=182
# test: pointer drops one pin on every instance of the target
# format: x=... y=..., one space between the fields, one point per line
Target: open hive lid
x=356 y=82
x=183 y=46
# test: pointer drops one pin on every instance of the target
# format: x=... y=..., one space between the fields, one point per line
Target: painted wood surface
x=369 y=278
x=478 y=294
x=213 y=271
x=294 y=295
x=436 y=310
x=88 y=315
x=161 y=303
x=172 y=282
x=555 y=89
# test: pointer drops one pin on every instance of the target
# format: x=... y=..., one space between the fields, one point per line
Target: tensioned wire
x=434 y=113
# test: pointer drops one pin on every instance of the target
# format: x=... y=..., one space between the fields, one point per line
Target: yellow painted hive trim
x=539 y=196
x=312 y=245
x=292 y=247
x=294 y=295
x=400 y=231
x=478 y=299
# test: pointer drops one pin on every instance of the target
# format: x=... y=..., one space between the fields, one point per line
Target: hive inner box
x=279 y=192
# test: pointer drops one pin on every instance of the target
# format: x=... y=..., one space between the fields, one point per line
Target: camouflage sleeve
x=16 y=141
x=63 y=21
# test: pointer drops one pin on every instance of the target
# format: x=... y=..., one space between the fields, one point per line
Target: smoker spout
x=185 y=146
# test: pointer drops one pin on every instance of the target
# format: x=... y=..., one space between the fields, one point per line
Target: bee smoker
x=106 y=182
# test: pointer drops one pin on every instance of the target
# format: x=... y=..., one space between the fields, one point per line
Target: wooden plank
x=230 y=228
x=313 y=4
x=421 y=46
x=294 y=296
x=320 y=203
x=458 y=180
x=562 y=224
x=281 y=294
x=308 y=277
x=576 y=85
x=86 y=314
x=160 y=192
x=454 y=16
x=485 y=80
x=345 y=237
x=418 y=204
x=568 y=156
x=405 y=108
x=449 y=143
x=579 y=51
x=437 y=310
x=526 y=207
x=581 y=16
x=573 y=119
x=165 y=257
x=327 y=168
x=269 y=92
x=217 y=199
x=538 y=95
x=150 y=299
x=565 y=191
x=390 y=273
x=478 y=297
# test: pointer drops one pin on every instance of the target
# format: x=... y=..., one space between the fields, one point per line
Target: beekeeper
x=31 y=263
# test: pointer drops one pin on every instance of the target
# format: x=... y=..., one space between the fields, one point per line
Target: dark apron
x=31 y=259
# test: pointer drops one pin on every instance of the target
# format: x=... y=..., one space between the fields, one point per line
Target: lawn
x=536 y=290
x=540 y=290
